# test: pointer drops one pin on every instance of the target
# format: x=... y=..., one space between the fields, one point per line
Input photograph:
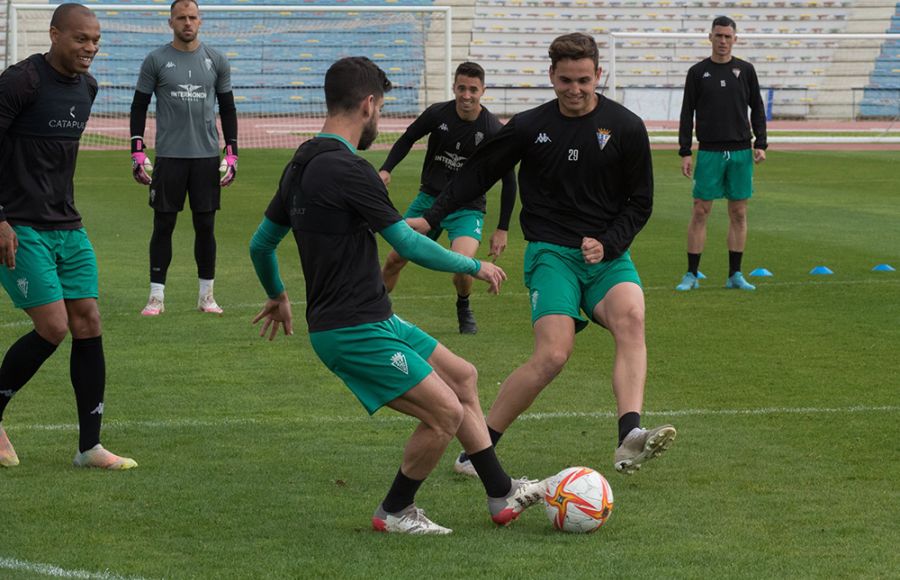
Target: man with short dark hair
x=455 y=130
x=335 y=202
x=586 y=186
x=47 y=263
x=188 y=78
x=720 y=89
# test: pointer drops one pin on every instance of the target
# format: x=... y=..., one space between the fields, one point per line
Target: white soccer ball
x=578 y=500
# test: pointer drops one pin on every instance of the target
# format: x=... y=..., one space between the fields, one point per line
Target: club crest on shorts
x=534 y=299
x=603 y=137
x=22 y=283
x=398 y=361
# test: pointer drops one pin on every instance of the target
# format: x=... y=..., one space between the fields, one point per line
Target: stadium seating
x=510 y=37
x=882 y=95
x=273 y=68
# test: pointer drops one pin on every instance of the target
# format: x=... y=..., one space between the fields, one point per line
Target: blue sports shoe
x=736 y=282
x=689 y=282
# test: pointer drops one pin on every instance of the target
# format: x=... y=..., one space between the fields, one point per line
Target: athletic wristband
x=137 y=144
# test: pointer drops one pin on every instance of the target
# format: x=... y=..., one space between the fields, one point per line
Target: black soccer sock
x=161 y=245
x=402 y=493
x=495 y=439
x=693 y=263
x=205 y=244
x=495 y=480
x=462 y=301
x=627 y=422
x=87 y=368
x=22 y=360
x=734 y=262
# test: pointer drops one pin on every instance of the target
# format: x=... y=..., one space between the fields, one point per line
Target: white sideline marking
x=250 y=421
x=56 y=571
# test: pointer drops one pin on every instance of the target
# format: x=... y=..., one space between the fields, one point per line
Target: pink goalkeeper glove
x=228 y=168
x=140 y=163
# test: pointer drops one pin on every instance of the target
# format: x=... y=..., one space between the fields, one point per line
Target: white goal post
x=278 y=54
x=809 y=77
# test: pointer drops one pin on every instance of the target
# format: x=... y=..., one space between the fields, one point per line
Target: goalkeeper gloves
x=228 y=168
x=140 y=163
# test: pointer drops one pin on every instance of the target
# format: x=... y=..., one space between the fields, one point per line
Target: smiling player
x=455 y=130
x=587 y=190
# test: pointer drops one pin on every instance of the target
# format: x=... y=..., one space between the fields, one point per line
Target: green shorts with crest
x=379 y=361
x=461 y=223
x=727 y=174
x=560 y=282
x=51 y=265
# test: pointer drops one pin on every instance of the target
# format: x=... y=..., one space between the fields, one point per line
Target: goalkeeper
x=187 y=78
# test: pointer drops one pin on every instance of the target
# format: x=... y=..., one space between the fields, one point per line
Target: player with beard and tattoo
x=334 y=202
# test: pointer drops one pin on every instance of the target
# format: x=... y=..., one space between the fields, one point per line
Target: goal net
x=278 y=55
x=810 y=77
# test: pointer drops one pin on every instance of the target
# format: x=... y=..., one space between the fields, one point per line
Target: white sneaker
x=411 y=520
x=464 y=467
x=154 y=307
x=208 y=304
x=99 y=457
x=642 y=445
x=524 y=494
x=8 y=457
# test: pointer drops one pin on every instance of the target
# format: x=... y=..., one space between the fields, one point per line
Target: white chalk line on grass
x=24 y=321
x=57 y=572
x=252 y=421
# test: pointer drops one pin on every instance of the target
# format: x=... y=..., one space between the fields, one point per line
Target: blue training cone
x=883 y=268
x=819 y=270
x=761 y=272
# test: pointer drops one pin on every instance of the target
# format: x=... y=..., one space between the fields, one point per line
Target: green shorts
x=560 y=282
x=379 y=361
x=51 y=265
x=727 y=174
x=465 y=222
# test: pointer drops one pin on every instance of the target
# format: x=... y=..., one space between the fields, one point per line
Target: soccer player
x=719 y=90
x=455 y=129
x=334 y=201
x=187 y=78
x=586 y=186
x=47 y=263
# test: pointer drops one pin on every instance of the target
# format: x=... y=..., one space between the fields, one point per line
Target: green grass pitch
x=256 y=462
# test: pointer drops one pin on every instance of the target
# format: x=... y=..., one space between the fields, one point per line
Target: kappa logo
x=170 y=64
x=706 y=75
x=72 y=111
x=444 y=127
x=398 y=361
x=603 y=137
x=534 y=299
x=736 y=72
x=542 y=138
x=479 y=137
x=98 y=410
x=22 y=283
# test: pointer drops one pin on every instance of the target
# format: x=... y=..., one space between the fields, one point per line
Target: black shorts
x=173 y=178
